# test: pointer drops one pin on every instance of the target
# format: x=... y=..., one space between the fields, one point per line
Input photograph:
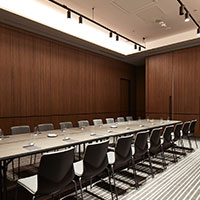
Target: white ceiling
x=135 y=19
x=138 y=19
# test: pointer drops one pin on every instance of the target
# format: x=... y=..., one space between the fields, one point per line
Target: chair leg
x=189 y=141
x=150 y=164
x=109 y=179
x=134 y=172
x=13 y=169
x=113 y=176
x=196 y=143
x=182 y=145
x=81 y=189
x=163 y=158
x=75 y=187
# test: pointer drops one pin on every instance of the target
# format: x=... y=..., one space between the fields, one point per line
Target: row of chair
x=49 y=126
x=63 y=170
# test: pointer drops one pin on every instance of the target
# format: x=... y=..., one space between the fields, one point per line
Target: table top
x=15 y=146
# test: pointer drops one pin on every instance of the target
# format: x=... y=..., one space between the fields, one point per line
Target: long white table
x=15 y=146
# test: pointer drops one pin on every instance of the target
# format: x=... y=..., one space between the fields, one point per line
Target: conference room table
x=21 y=145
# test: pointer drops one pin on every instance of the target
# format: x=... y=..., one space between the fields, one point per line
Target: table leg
x=5 y=166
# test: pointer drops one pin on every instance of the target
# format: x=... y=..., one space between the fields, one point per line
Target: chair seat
x=111 y=157
x=30 y=183
x=78 y=168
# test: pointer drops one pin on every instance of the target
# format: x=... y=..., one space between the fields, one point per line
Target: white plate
x=52 y=135
x=113 y=126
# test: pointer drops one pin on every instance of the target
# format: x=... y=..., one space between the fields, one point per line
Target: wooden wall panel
x=186 y=80
x=159 y=83
x=43 y=80
x=183 y=72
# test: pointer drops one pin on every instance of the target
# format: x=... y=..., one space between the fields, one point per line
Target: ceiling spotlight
x=181 y=10
x=139 y=48
x=135 y=46
x=80 y=20
x=187 y=19
x=110 y=34
x=68 y=14
x=198 y=31
x=117 y=37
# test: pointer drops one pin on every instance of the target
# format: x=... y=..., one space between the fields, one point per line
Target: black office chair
x=191 y=133
x=155 y=144
x=14 y=130
x=122 y=154
x=45 y=127
x=97 y=122
x=55 y=172
x=110 y=120
x=64 y=125
x=167 y=140
x=94 y=162
x=20 y=129
x=83 y=123
x=185 y=130
x=120 y=119
x=129 y=118
x=140 y=149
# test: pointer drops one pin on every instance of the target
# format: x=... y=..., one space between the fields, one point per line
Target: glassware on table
x=1 y=134
x=66 y=133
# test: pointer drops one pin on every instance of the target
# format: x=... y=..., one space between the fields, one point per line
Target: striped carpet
x=181 y=181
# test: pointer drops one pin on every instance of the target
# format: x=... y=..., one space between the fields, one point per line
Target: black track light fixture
x=139 y=48
x=181 y=10
x=117 y=37
x=198 y=31
x=80 y=20
x=135 y=46
x=188 y=16
x=187 y=19
x=68 y=14
x=83 y=17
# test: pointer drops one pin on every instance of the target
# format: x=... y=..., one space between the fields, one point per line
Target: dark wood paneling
x=158 y=83
x=43 y=80
x=186 y=80
x=175 y=74
x=140 y=92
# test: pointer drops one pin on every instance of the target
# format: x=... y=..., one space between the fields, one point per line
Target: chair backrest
x=20 y=129
x=129 y=118
x=110 y=120
x=177 y=131
x=55 y=171
x=120 y=119
x=185 y=128
x=45 y=127
x=123 y=149
x=83 y=123
x=141 y=145
x=95 y=158
x=97 y=122
x=167 y=136
x=192 y=126
x=65 y=125
x=155 y=142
